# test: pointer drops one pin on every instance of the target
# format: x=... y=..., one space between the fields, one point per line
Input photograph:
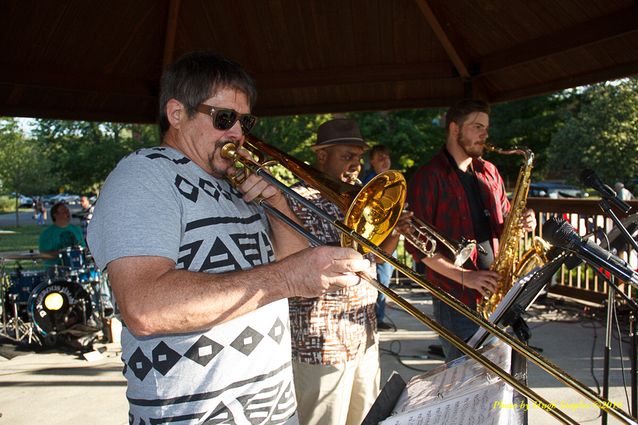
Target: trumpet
x=392 y=199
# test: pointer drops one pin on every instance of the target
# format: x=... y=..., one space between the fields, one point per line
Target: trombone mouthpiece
x=229 y=151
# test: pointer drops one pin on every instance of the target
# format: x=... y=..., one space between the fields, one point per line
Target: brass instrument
x=350 y=233
x=368 y=200
x=507 y=263
x=425 y=237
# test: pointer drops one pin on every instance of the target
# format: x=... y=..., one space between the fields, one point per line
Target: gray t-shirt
x=159 y=203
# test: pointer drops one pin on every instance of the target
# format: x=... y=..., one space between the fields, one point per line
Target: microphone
x=561 y=234
x=591 y=179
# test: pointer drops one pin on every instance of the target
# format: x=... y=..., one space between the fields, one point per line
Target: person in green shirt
x=60 y=235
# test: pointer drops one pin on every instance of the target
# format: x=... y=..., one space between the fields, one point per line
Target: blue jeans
x=456 y=323
x=384 y=274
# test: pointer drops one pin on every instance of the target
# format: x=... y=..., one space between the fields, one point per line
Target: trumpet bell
x=375 y=209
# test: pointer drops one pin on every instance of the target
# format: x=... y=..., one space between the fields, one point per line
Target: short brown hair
x=379 y=149
x=459 y=112
x=55 y=208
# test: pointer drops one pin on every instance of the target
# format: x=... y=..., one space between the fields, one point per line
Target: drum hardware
x=68 y=301
x=31 y=256
x=349 y=230
x=12 y=327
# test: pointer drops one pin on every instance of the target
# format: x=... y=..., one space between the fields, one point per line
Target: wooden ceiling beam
x=618 y=71
x=82 y=83
x=595 y=31
x=79 y=115
x=451 y=50
x=361 y=106
x=355 y=75
x=171 y=32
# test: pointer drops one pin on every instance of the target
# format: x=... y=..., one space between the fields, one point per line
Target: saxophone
x=507 y=264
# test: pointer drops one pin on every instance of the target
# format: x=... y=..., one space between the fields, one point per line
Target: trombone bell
x=375 y=209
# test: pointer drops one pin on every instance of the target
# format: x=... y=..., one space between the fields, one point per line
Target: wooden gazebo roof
x=102 y=60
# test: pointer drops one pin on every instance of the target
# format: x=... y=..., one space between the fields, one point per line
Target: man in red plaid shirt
x=462 y=196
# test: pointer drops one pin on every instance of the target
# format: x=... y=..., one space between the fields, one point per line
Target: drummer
x=60 y=235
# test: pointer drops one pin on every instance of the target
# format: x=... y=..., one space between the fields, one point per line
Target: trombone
x=388 y=187
x=356 y=201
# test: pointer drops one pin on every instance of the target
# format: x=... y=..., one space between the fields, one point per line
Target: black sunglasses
x=224 y=119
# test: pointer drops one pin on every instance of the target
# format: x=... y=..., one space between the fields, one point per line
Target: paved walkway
x=57 y=388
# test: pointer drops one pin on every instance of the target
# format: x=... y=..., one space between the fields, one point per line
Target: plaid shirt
x=335 y=327
x=436 y=196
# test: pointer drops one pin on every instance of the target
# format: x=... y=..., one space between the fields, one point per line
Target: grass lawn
x=24 y=239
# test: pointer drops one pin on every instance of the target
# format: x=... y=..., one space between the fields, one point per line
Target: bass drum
x=58 y=306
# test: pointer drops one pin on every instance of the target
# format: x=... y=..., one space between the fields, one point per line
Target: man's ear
x=453 y=129
x=321 y=156
x=175 y=112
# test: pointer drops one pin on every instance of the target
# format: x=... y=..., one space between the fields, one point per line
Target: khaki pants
x=337 y=394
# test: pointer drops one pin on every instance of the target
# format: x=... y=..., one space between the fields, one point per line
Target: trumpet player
x=463 y=196
x=334 y=341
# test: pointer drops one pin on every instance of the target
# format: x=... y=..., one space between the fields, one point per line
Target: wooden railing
x=586 y=216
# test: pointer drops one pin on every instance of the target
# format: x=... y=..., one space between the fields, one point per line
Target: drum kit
x=68 y=302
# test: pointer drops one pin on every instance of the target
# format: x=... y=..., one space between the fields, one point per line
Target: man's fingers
x=353 y=265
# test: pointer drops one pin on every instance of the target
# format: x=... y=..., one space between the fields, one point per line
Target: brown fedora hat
x=340 y=131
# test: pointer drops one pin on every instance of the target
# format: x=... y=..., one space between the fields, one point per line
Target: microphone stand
x=612 y=289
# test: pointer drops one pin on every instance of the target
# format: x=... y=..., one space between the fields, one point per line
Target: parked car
x=66 y=198
x=23 y=200
x=555 y=190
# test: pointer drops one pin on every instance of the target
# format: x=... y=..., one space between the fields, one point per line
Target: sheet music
x=459 y=392
x=478 y=407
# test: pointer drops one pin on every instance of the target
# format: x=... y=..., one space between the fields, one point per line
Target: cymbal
x=30 y=256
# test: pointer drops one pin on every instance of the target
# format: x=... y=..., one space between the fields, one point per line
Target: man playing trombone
x=202 y=275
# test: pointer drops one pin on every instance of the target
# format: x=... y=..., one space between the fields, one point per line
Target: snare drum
x=57 y=306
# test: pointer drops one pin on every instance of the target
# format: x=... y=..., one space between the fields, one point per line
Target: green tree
x=600 y=133
x=293 y=135
x=21 y=164
x=413 y=135
x=526 y=123
x=85 y=152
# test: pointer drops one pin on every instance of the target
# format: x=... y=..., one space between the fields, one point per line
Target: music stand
x=518 y=299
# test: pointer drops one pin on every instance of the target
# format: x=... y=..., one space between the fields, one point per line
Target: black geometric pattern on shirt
x=221 y=415
x=186 y=188
x=182 y=160
x=140 y=364
x=248 y=244
x=223 y=259
x=214 y=221
x=196 y=417
x=264 y=404
x=204 y=350
x=266 y=242
x=164 y=358
x=217 y=190
x=247 y=341
x=277 y=330
x=208 y=395
x=284 y=407
x=192 y=249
